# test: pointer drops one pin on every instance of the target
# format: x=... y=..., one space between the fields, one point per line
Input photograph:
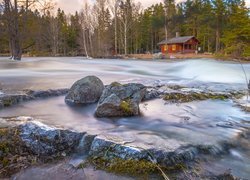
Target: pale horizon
x=76 y=5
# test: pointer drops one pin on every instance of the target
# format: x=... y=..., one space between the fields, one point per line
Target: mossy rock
x=138 y=168
x=7 y=102
x=13 y=154
x=125 y=167
x=115 y=84
x=126 y=107
x=189 y=97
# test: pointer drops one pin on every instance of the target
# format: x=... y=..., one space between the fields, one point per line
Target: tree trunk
x=217 y=40
x=13 y=29
x=125 y=37
x=84 y=43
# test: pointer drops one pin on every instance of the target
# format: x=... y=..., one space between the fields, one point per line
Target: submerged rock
x=182 y=96
x=84 y=91
x=9 y=99
x=152 y=93
x=120 y=100
x=47 y=93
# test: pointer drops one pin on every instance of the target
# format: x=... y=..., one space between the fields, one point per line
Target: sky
x=70 y=6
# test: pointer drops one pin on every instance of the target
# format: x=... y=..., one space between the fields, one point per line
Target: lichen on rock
x=84 y=91
x=120 y=100
x=183 y=97
x=31 y=143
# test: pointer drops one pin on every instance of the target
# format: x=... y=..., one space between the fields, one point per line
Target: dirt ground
x=173 y=56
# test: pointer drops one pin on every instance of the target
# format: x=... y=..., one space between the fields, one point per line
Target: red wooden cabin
x=182 y=44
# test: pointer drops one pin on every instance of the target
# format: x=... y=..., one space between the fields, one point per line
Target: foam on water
x=211 y=71
x=40 y=73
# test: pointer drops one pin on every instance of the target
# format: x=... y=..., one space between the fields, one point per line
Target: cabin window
x=165 y=47
x=174 y=47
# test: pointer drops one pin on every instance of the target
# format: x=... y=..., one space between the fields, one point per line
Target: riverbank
x=189 y=56
x=150 y=56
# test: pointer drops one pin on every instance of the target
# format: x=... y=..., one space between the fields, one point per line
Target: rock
x=9 y=99
x=226 y=176
x=47 y=93
x=189 y=96
x=109 y=149
x=120 y=100
x=152 y=93
x=84 y=91
x=46 y=141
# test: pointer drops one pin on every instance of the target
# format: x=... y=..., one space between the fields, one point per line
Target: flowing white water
x=162 y=125
x=40 y=73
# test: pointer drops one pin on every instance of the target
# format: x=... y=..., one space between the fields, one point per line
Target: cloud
x=69 y=6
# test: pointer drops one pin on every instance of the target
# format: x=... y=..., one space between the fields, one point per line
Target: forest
x=110 y=27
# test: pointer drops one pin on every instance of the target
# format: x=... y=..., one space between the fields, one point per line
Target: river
x=198 y=122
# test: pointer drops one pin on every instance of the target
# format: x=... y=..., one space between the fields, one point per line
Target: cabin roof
x=175 y=40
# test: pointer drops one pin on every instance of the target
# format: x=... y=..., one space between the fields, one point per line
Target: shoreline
x=150 y=57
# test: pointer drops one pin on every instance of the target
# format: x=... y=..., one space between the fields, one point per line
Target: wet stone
x=45 y=141
x=119 y=100
x=84 y=91
x=9 y=99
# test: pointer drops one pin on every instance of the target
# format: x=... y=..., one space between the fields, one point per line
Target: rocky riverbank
x=33 y=143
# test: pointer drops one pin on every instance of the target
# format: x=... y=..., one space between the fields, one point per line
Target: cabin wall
x=172 y=48
x=188 y=47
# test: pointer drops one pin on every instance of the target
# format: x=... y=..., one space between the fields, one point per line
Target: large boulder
x=120 y=100
x=85 y=91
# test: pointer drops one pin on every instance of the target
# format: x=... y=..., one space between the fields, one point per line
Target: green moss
x=5 y=162
x=138 y=168
x=132 y=167
x=114 y=84
x=182 y=97
x=126 y=107
x=13 y=154
x=7 y=102
x=176 y=87
x=3 y=131
x=4 y=147
x=128 y=167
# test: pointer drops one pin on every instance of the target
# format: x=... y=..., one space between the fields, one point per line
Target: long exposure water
x=198 y=122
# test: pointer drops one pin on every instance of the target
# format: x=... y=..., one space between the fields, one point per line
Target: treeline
x=110 y=27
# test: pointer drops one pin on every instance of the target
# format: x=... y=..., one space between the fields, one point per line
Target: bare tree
x=86 y=22
x=12 y=14
x=128 y=12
